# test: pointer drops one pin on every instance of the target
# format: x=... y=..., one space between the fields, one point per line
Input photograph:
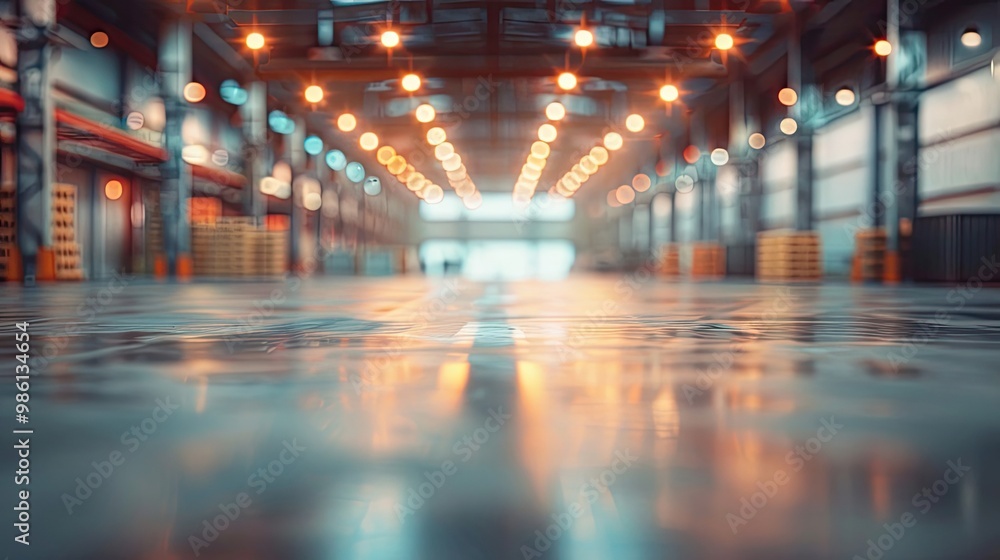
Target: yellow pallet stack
x=69 y=265
x=789 y=256
x=235 y=247
x=708 y=260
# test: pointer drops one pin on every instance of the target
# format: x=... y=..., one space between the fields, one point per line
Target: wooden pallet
x=708 y=260
x=670 y=263
x=793 y=256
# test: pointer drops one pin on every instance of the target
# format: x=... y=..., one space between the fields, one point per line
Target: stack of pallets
x=869 y=254
x=708 y=260
x=670 y=262
x=789 y=256
x=204 y=209
x=8 y=229
x=69 y=265
x=235 y=247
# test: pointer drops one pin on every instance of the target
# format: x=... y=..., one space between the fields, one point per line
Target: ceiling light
x=425 y=113
x=635 y=123
x=411 y=82
x=555 y=111
x=347 y=122
x=669 y=93
x=757 y=140
x=368 y=141
x=583 y=38
x=971 y=38
x=255 y=41
x=691 y=154
x=724 y=41
x=625 y=194
x=385 y=154
x=788 y=97
x=641 y=182
x=99 y=39
x=547 y=133
x=613 y=141
x=540 y=149
x=436 y=136
x=599 y=155
x=314 y=94
x=720 y=156
x=789 y=126
x=194 y=92
x=883 y=47
x=845 y=97
x=390 y=39
x=567 y=81
x=444 y=151
x=113 y=189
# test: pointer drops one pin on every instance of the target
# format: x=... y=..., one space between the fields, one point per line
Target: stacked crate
x=869 y=254
x=708 y=260
x=204 y=210
x=789 y=256
x=69 y=265
x=670 y=263
x=235 y=247
x=8 y=229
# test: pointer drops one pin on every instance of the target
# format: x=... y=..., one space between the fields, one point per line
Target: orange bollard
x=893 y=273
x=185 y=268
x=160 y=267
x=46 y=265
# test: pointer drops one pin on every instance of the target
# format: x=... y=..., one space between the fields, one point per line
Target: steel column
x=295 y=153
x=175 y=191
x=256 y=152
x=808 y=107
x=36 y=141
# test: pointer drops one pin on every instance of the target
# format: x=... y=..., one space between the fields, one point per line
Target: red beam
x=11 y=100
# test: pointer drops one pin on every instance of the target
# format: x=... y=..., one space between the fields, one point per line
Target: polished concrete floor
x=616 y=417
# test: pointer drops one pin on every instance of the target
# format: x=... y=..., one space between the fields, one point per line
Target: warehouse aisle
x=601 y=417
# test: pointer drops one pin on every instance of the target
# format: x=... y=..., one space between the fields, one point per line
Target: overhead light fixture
x=789 y=126
x=313 y=145
x=757 y=141
x=255 y=41
x=194 y=92
x=720 y=156
x=724 y=41
x=99 y=39
x=845 y=97
x=314 y=94
x=583 y=38
x=788 y=97
x=368 y=141
x=669 y=93
x=971 y=38
x=883 y=47
x=113 y=189
x=347 y=122
x=613 y=141
x=691 y=154
x=635 y=123
x=641 y=182
x=567 y=81
x=411 y=82
x=385 y=155
x=444 y=151
x=555 y=111
x=425 y=113
x=436 y=136
x=599 y=154
x=547 y=133
x=390 y=39
x=625 y=195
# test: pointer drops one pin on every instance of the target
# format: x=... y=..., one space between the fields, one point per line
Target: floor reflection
x=410 y=418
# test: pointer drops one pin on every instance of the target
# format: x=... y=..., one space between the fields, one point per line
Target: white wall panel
x=962 y=164
x=964 y=104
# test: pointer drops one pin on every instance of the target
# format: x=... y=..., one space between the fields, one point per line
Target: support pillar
x=809 y=105
x=175 y=191
x=36 y=139
x=295 y=152
x=905 y=73
x=256 y=155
